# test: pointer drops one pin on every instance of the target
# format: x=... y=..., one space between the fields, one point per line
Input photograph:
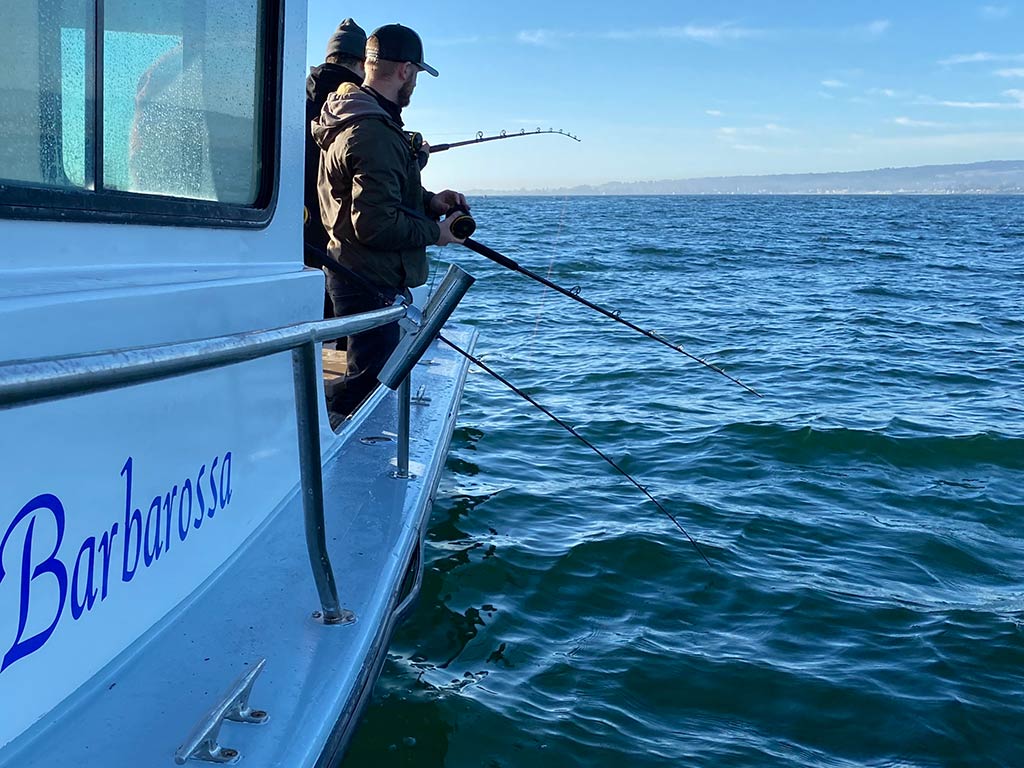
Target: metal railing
x=36 y=381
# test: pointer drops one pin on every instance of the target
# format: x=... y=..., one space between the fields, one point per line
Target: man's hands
x=446 y=233
x=444 y=202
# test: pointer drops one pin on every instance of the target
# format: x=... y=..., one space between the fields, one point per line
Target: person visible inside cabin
x=343 y=63
x=378 y=216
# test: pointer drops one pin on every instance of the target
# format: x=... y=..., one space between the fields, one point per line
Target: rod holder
x=404 y=398
x=418 y=337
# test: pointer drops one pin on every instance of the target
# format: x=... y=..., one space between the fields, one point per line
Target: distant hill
x=993 y=177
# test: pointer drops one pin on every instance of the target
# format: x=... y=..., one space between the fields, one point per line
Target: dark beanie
x=348 y=39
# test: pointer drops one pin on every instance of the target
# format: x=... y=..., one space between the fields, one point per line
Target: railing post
x=404 y=396
x=307 y=413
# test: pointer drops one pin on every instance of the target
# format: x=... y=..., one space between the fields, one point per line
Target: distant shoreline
x=994 y=177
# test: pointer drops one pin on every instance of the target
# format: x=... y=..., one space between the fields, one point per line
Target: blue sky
x=661 y=90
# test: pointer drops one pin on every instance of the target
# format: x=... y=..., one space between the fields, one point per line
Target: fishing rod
x=574 y=294
x=573 y=431
x=480 y=138
x=463 y=225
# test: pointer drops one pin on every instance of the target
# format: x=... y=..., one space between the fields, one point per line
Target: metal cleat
x=201 y=743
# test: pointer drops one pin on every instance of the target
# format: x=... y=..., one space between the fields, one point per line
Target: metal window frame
x=26 y=201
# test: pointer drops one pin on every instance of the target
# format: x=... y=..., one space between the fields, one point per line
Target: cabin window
x=180 y=95
x=43 y=92
x=116 y=104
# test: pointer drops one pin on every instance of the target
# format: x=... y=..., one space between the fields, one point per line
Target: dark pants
x=366 y=352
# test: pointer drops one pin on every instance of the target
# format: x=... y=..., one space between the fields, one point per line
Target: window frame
x=22 y=200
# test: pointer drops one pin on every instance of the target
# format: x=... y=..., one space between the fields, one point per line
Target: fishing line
x=572 y=431
x=551 y=265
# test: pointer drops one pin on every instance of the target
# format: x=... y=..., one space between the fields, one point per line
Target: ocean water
x=864 y=520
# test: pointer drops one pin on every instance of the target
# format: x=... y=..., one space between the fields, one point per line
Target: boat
x=194 y=566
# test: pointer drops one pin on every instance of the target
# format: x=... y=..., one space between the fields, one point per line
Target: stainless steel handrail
x=25 y=382
x=33 y=381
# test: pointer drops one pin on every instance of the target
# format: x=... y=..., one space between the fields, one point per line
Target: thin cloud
x=973 y=104
x=833 y=83
x=995 y=12
x=1018 y=72
x=1016 y=97
x=713 y=33
x=713 y=112
x=907 y=122
x=872 y=30
x=768 y=129
x=702 y=33
x=540 y=37
x=980 y=56
x=709 y=34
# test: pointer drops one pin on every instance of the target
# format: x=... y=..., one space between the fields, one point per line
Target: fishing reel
x=416 y=146
x=463 y=225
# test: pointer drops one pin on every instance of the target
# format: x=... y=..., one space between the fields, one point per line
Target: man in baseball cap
x=379 y=217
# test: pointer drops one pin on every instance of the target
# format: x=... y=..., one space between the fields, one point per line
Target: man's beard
x=405 y=93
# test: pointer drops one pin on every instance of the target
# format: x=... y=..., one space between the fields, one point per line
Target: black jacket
x=321 y=83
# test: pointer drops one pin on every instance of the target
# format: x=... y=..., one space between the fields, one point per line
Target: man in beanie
x=378 y=216
x=343 y=64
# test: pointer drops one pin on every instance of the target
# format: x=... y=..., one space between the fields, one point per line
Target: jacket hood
x=325 y=79
x=343 y=107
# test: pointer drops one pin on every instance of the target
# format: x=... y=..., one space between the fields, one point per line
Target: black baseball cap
x=393 y=42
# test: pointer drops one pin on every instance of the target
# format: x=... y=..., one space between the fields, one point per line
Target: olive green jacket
x=368 y=184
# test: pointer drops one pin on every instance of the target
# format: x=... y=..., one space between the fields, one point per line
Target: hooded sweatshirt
x=372 y=201
x=321 y=83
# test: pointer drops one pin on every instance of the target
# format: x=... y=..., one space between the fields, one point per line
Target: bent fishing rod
x=480 y=138
x=463 y=225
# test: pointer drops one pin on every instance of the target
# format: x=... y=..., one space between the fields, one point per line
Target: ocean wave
x=807 y=444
